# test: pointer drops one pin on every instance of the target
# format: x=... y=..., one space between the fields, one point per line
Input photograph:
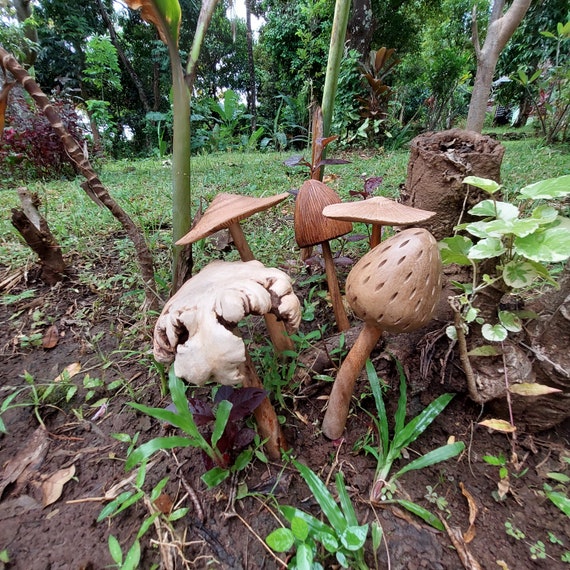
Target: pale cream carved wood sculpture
x=196 y=329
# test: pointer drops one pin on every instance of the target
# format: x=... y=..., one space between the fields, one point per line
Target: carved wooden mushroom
x=394 y=287
x=312 y=228
x=225 y=212
x=196 y=329
x=378 y=211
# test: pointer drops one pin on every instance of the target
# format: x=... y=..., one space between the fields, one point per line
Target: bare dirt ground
x=54 y=480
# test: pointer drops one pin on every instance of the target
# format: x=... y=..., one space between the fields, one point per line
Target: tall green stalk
x=336 y=51
x=166 y=15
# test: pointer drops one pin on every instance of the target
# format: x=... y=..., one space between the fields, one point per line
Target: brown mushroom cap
x=311 y=227
x=397 y=284
x=377 y=210
x=226 y=210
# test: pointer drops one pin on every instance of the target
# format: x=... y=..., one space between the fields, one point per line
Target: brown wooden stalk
x=93 y=185
x=340 y=315
x=343 y=387
x=312 y=228
x=265 y=415
x=394 y=287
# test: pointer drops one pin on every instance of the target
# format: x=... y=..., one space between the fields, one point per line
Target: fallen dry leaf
x=467 y=559
x=52 y=487
x=503 y=487
x=50 y=338
x=68 y=372
x=532 y=389
x=27 y=460
x=498 y=425
x=473 y=512
x=164 y=504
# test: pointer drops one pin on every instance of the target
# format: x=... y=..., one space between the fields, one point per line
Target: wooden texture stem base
x=343 y=387
x=265 y=415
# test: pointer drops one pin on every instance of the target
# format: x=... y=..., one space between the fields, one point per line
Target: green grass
x=143 y=188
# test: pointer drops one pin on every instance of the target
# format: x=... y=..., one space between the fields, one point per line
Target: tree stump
x=35 y=231
x=438 y=164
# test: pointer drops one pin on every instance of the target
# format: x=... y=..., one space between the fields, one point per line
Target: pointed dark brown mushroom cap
x=311 y=227
x=377 y=210
x=226 y=210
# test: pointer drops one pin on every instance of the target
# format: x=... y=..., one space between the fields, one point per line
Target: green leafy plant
x=524 y=237
x=36 y=395
x=343 y=536
x=131 y=558
x=549 y=88
x=221 y=444
x=524 y=246
x=388 y=450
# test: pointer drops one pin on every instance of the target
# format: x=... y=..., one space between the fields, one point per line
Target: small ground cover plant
x=525 y=237
x=342 y=537
x=223 y=447
x=387 y=450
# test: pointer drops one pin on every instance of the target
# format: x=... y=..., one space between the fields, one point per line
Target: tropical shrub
x=29 y=147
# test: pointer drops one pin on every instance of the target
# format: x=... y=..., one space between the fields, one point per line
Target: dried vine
x=93 y=186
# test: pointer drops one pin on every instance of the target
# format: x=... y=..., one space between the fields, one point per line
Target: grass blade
x=419 y=424
x=400 y=417
x=382 y=419
x=323 y=497
x=345 y=502
x=438 y=455
x=419 y=511
x=222 y=415
x=147 y=449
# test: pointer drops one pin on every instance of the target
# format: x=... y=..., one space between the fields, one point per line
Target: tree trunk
x=24 y=10
x=361 y=27
x=35 y=231
x=499 y=31
x=80 y=161
x=129 y=68
x=252 y=100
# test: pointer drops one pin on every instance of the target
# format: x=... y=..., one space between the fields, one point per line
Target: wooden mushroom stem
x=334 y=289
x=375 y=235
x=343 y=387
x=265 y=415
x=276 y=329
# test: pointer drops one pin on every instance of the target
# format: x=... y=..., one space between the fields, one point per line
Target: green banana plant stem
x=336 y=51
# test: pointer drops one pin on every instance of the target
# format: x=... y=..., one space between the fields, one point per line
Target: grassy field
x=143 y=188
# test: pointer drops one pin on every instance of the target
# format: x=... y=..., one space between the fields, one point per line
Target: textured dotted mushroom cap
x=311 y=227
x=377 y=210
x=396 y=285
x=227 y=209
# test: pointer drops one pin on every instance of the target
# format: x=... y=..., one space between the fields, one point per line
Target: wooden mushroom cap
x=311 y=227
x=397 y=285
x=378 y=210
x=226 y=210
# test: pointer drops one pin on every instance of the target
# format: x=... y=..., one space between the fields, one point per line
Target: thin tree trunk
x=499 y=31
x=129 y=68
x=24 y=11
x=251 y=66
x=93 y=184
x=35 y=231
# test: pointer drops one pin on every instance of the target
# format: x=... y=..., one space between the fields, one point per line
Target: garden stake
x=395 y=287
x=225 y=212
x=312 y=228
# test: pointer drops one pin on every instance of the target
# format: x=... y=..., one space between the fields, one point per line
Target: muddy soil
x=56 y=479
